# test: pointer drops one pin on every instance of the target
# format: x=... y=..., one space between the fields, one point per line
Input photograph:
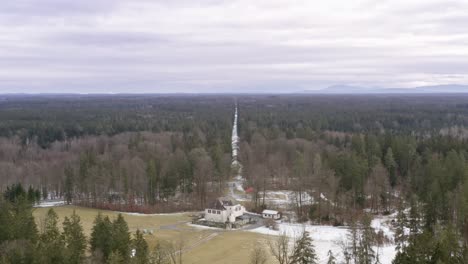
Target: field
x=204 y=245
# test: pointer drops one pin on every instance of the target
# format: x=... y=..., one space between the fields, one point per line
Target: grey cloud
x=56 y=7
x=105 y=39
x=276 y=45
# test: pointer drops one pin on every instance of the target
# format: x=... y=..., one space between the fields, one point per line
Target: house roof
x=221 y=203
x=270 y=212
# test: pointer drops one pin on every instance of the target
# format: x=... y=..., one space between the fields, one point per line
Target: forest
x=355 y=155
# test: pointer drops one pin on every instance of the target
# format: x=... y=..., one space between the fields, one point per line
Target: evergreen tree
x=75 y=240
x=51 y=246
x=331 y=258
x=391 y=166
x=121 y=237
x=6 y=221
x=304 y=251
x=116 y=258
x=23 y=225
x=69 y=183
x=31 y=196
x=366 y=254
x=402 y=222
x=101 y=237
x=141 y=249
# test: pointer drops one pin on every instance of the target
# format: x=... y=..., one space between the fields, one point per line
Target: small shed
x=271 y=214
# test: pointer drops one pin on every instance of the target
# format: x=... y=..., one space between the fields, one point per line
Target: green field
x=203 y=245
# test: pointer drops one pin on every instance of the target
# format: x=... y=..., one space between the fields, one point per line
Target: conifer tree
x=116 y=258
x=23 y=225
x=101 y=237
x=331 y=258
x=304 y=251
x=121 y=237
x=50 y=248
x=141 y=249
x=367 y=239
x=391 y=166
x=400 y=236
x=69 y=184
x=75 y=240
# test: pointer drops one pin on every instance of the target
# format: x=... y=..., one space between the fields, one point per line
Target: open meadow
x=203 y=245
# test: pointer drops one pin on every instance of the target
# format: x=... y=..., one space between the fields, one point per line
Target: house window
x=218 y=212
x=209 y=211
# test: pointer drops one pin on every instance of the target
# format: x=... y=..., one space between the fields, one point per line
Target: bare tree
x=175 y=250
x=377 y=186
x=280 y=249
x=258 y=255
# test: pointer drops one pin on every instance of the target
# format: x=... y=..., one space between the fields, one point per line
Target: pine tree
x=31 y=195
x=121 y=237
x=101 y=237
x=391 y=166
x=141 y=249
x=116 y=258
x=23 y=225
x=351 y=250
x=366 y=254
x=331 y=258
x=50 y=248
x=69 y=185
x=304 y=251
x=75 y=240
x=402 y=221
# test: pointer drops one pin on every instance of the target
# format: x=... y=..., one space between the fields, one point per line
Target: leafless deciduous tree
x=258 y=255
x=280 y=248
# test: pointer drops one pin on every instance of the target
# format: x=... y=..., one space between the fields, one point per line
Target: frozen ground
x=327 y=238
x=50 y=203
x=281 y=198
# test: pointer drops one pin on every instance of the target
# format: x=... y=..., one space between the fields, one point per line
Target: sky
x=190 y=46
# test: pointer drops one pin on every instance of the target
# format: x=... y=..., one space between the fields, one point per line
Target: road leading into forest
x=235 y=139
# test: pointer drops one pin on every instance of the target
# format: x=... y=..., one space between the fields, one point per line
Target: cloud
x=237 y=45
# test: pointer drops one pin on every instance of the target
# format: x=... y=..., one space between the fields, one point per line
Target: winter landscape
x=233 y=132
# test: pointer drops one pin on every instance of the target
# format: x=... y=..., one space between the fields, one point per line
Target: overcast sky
x=229 y=46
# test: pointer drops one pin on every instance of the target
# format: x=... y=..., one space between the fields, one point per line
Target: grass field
x=204 y=245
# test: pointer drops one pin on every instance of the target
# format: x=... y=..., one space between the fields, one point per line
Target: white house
x=271 y=214
x=224 y=211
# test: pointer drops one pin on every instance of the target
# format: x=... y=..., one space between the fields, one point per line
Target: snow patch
x=50 y=204
x=326 y=238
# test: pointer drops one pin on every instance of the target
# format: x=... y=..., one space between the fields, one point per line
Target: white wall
x=229 y=214
x=214 y=217
x=276 y=216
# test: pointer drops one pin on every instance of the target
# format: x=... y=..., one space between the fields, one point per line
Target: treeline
x=23 y=241
x=302 y=116
x=46 y=119
x=132 y=171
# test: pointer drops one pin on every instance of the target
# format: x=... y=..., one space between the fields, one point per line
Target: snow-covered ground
x=47 y=203
x=141 y=214
x=281 y=198
x=326 y=238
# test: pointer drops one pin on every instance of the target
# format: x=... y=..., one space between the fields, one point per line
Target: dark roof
x=220 y=204
x=226 y=202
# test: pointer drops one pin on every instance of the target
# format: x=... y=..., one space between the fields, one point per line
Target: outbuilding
x=271 y=214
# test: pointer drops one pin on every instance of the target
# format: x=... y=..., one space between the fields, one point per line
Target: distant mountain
x=348 y=89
